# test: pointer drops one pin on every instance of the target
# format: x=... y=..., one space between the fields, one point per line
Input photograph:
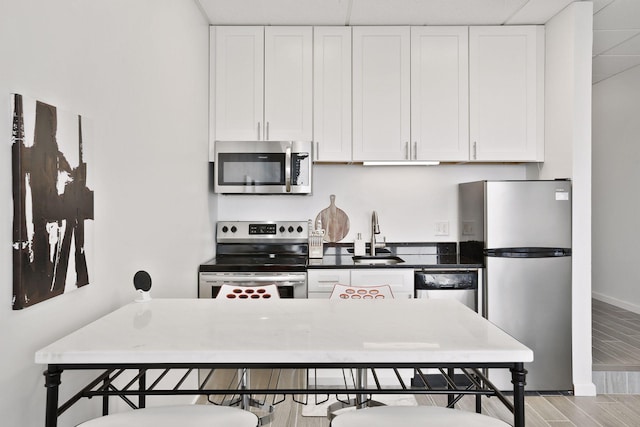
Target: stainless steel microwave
x=262 y=167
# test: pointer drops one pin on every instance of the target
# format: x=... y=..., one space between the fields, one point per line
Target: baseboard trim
x=618 y=303
x=588 y=389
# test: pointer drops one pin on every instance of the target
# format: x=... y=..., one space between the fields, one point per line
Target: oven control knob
x=282 y=228
x=233 y=229
x=290 y=229
x=299 y=229
x=225 y=229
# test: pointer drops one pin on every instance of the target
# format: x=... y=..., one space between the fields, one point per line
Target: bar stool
x=248 y=292
x=344 y=292
x=178 y=415
x=240 y=293
x=414 y=416
x=352 y=293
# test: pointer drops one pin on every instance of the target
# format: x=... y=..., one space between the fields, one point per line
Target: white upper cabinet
x=239 y=83
x=381 y=93
x=506 y=93
x=332 y=94
x=263 y=83
x=440 y=93
x=288 y=83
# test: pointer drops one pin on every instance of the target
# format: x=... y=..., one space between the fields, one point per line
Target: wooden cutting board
x=334 y=221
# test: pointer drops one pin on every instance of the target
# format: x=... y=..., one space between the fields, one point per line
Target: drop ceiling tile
x=603 y=40
x=380 y=12
x=599 y=4
x=629 y=47
x=239 y=12
x=538 y=11
x=433 y=12
x=276 y=12
x=620 y=15
x=605 y=66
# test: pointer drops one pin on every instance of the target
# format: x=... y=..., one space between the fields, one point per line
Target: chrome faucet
x=375 y=229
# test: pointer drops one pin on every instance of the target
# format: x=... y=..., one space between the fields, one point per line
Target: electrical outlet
x=468 y=228
x=442 y=228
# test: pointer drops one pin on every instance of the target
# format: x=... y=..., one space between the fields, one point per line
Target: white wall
x=138 y=71
x=616 y=207
x=409 y=200
x=568 y=153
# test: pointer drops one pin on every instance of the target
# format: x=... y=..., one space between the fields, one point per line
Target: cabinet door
x=400 y=279
x=332 y=93
x=321 y=281
x=506 y=93
x=381 y=102
x=239 y=58
x=439 y=93
x=288 y=83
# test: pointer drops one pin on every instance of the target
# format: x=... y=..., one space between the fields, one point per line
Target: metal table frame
x=476 y=384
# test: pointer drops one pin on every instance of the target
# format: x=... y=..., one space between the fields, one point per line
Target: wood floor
x=616 y=338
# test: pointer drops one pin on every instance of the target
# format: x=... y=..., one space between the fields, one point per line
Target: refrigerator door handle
x=528 y=252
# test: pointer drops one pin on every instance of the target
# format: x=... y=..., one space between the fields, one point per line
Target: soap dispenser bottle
x=358 y=246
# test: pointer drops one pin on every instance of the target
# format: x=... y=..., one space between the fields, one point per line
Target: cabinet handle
x=316 y=155
x=415 y=150
x=475 y=150
x=287 y=169
x=258 y=131
x=407 y=149
x=267 y=132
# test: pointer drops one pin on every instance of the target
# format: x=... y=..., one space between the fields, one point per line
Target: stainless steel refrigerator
x=522 y=231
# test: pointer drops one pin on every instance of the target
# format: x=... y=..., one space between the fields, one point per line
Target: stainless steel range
x=253 y=253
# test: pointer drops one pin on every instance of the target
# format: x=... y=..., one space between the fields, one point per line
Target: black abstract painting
x=51 y=202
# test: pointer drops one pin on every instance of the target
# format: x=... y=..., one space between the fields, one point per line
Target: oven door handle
x=261 y=279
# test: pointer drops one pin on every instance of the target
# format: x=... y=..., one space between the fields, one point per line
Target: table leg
x=450 y=397
x=361 y=383
x=518 y=379
x=52 y=383
x=105 y=398
x=142 y=383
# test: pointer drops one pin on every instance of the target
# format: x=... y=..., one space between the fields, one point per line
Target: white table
x=285 y=333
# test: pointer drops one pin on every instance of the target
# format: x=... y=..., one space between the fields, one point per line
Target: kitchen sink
x=377 y=260
x=378 y=251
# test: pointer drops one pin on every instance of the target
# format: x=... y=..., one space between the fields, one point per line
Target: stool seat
x=414 y=416
x=178 y=415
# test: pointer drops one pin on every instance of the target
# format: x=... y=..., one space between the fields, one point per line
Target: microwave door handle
x=287 y=168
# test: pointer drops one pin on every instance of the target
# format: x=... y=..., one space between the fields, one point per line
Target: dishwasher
x=463 y=285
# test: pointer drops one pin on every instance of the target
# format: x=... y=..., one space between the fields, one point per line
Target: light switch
x=442 y=228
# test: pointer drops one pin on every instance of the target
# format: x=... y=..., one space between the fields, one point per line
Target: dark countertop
x=337 y=255
x=414 y=255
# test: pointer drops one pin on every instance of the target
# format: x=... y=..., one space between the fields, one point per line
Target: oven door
x=290 y=285
x=262 y=167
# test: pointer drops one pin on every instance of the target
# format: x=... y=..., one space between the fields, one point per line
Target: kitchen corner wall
x=616 y=206
x=568 y=138
x=409 y=200
x=138 y=72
